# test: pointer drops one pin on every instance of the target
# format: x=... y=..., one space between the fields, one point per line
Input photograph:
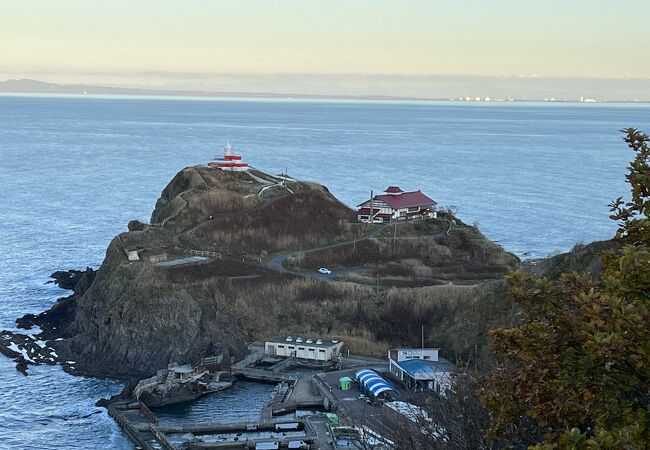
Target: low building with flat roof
x=420 y=368
x=303 y=348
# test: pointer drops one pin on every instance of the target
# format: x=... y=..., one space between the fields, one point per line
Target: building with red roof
x=395 y=204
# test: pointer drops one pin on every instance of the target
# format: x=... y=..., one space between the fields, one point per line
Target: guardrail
x=190 y=251
x=204 y=253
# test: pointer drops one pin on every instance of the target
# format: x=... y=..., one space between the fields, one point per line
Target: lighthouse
x=230 y=161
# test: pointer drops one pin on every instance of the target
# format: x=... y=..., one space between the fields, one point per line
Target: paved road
x=360 y=410
x=277 y=262
x=304 y=391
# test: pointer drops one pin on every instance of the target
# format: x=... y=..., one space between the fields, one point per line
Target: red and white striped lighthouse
x=229 y=161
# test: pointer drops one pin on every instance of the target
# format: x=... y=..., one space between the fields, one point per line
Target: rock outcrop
x=582 y=258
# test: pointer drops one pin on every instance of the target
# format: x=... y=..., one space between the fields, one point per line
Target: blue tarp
x=373 y=382
x=425 y=370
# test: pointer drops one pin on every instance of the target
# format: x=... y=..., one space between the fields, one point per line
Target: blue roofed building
x=420 y=368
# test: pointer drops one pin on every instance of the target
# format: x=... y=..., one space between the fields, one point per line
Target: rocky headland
x=203 y=279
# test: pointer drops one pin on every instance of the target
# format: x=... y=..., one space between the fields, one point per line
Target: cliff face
x=149 y=304
x=132 y=321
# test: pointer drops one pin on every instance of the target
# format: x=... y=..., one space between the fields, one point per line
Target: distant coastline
x=29 y=86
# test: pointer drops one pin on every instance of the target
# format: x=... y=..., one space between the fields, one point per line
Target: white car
x=324 y=271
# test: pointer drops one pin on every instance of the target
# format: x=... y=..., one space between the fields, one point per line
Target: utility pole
x=422 y=336
x=372 y=207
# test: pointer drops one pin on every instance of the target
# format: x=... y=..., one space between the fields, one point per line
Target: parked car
x=325 y=271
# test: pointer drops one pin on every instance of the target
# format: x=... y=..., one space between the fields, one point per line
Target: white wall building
x=403 y=354
x=303 y=348
x=420 y=368
x=395 y=204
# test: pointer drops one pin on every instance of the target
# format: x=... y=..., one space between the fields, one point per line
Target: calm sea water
x=223 y=406
x=73 y=171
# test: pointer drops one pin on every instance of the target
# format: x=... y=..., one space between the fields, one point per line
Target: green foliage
x=579 y=367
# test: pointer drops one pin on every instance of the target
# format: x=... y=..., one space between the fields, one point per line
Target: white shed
x=303 y=348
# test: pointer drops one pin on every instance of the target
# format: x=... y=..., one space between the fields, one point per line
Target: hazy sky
x=148 y=41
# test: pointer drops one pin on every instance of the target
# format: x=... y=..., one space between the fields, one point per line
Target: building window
x=413 y=209
x=320 y=350
x=280 y=346
x=301 y=348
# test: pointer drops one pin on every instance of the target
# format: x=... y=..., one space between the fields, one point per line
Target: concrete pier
x=249 y=444
x=216 y=428
x=303 y=395
x=143 y=429
x=139 y=424
x=317 y=392
x=263 y=375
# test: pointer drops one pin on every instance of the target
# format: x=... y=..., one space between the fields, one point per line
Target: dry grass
x=215 y=202
x=285 y=223
x=363 y=345
x=466 y=255
x=455 y=318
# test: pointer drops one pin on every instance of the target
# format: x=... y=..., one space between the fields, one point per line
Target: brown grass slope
x=225 y=212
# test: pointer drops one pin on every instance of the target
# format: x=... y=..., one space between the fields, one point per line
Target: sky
x=198 y=42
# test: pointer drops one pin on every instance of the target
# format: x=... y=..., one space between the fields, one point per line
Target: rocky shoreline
x=41 y=348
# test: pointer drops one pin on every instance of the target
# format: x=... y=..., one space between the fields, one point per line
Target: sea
x=535 y=177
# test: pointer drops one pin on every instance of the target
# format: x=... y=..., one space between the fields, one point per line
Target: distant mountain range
x=464 y=88
x=28 y=86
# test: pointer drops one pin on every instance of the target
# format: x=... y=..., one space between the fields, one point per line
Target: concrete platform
x=182 y=261
x=353 y=404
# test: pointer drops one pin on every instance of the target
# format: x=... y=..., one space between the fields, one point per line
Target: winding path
x=277 y=262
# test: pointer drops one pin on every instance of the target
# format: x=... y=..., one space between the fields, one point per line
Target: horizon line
x=25 y=75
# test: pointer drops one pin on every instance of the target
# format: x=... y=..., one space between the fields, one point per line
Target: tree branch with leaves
x=578 y=369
